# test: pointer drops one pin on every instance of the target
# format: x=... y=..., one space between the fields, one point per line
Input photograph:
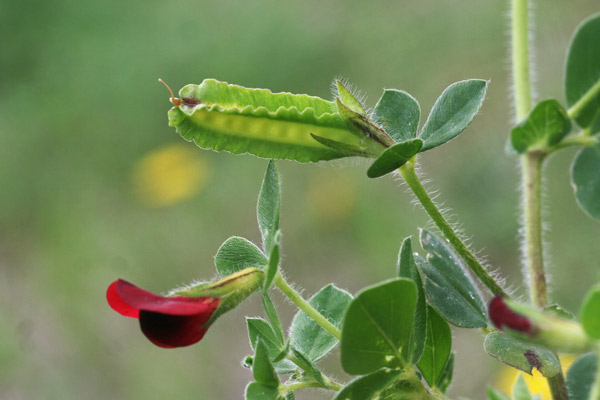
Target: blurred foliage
x=81 y=112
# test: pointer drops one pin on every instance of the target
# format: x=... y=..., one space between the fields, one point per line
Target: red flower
x=169 y=322
x=502 y=316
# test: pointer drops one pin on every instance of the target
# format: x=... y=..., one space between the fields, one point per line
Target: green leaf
x=273 y=317
x=309 y=337
x=273 y=265
x=585 y=179
x=558 y=311
x=398 y=113
x=259 y=329
x=522 y=356
x=377 y=327
x=309 y=367
x=260 y=391
x=394 y=157
x=448 y=286
x=495 y=394
x=349 y=100
x=223 y=117
x=236 y=254
x=545 y=126
x=452 y=112
x=407 y=268
x=445 y=378
x=267 y=210
x=580 y=377
x=520 y=391
x=589 y=315
x=369 y=386
x=373 y=138
x=437 y=348
x=583 y=71
x=262 y=369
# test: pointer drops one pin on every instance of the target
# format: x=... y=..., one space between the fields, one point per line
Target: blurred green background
x=95 y=186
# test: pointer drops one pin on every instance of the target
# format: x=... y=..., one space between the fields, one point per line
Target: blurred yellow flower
x=169 y=175
x=331 y=196
x=536 y=382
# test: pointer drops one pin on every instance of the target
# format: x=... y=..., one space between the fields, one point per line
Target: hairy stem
x=305 y=306
x=531 y=163
x=410 y=176
x=520 y=57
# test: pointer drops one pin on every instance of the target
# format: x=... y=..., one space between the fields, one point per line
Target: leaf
x=407 y=268
x=369 y=386
x=309 y=337
x=520 y=391
x=398 y=113
x=452 y=112
x=223 y=117
x=273 y=317
x=495 y=394
x=448 y=286
x=260 y=391
x=583 y=71
x=377 y=327
x=309 y=367
x=589 y=315
x=372 y=136
x=585 y=179
x=258 y=329
x=262 y=369
x=580 y=377
x=522 y=356
x=273 y=265
x=394 y=157
x=236 y=254
x=558 y=311
x=267 y=210
x=545 y=126
x=437 y=348
x=349 y=100
x=445 y=378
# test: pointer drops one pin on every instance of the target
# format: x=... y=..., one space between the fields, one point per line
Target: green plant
x=395 y=336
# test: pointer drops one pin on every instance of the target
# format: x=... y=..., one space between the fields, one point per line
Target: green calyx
x=232 y=290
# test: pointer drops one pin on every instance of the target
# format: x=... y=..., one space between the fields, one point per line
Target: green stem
x=305 y=306
x=576 y=108
x=410 y=176
x=283 y=389
x=558 y=387
x=520 y=58
x=582 y=139
x=532 y=212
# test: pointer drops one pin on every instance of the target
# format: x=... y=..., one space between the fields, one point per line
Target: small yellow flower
x=536 y=382
x=169 y=175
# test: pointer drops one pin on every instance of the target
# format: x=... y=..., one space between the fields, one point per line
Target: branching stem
x=305 y=306
x=410 y=176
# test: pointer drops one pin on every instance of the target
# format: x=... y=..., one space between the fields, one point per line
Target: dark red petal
x=117 y=303
x=135 y=298
x=501 y=315
x=173 y=330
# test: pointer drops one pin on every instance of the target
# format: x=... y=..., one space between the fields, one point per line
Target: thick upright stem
x=520 y=58
x=558 y=387
x=532 y=213
x=305 y=306
x=410 y=176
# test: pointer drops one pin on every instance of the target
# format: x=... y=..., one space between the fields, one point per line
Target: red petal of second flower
x=173 y=330
x=128 y=299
